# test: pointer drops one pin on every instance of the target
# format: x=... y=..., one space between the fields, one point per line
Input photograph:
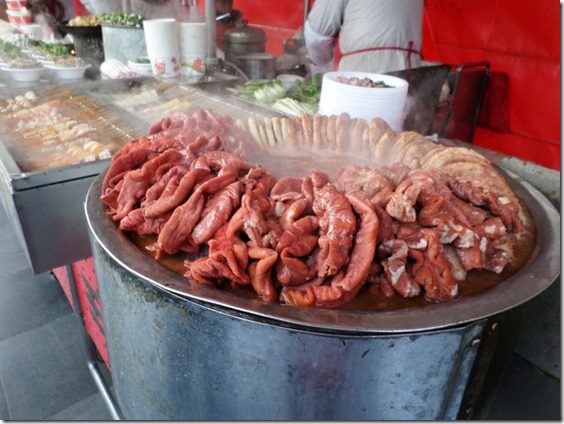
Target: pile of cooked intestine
x=230 y=195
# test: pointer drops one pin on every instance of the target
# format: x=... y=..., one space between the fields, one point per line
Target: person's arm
x=321 y=28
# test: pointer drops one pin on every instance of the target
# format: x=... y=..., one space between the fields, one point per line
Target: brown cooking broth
x=476 y=281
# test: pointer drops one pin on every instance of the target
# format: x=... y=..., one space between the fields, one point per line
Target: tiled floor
x=43 y=372
x=529 y=386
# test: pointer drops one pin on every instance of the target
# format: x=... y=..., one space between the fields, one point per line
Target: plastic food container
x=364 y=102
x=68 y=72
x=24 y=74
x=44 y=61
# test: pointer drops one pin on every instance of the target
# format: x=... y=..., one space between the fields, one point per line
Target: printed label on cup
x=167 y=67
x=193 y=65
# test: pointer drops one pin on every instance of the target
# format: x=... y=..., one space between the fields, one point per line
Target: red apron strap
x=410 y=50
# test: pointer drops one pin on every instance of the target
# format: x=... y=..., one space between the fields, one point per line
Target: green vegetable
x=122 y=19
x=262 y=90
x=307 y=91
x=9 y=50
x=251 y=86
x=53 y=49
x=56 y=49
x=293 y=107
x=270 y=93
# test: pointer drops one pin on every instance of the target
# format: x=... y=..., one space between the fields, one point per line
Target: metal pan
x=535 y=276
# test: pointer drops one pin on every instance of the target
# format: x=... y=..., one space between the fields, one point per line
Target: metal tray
x=44 y=207
x=21 y=180
x=535 y=276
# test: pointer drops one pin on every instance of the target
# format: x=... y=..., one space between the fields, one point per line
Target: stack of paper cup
x=365 y=102
x=162 y=47
x=193 y=44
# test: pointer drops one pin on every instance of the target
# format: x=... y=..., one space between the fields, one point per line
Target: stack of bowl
x=363 y=102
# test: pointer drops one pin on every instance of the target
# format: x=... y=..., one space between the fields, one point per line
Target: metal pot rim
x=536 y=275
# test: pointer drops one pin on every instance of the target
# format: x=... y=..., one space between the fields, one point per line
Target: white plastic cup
x=192 y=37
x=161 y=38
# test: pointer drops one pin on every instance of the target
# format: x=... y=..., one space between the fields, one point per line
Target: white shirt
x=389 y=25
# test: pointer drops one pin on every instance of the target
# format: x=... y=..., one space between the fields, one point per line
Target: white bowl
x=365 y=102
x=68 y=72
x=288 y=80
x=24 y=74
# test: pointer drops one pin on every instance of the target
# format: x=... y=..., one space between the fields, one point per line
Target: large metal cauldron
x=183 y=351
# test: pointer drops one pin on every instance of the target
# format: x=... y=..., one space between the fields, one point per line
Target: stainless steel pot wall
x=258 y=65
x=173 y=358
x=208 y=355
x=123 y=43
